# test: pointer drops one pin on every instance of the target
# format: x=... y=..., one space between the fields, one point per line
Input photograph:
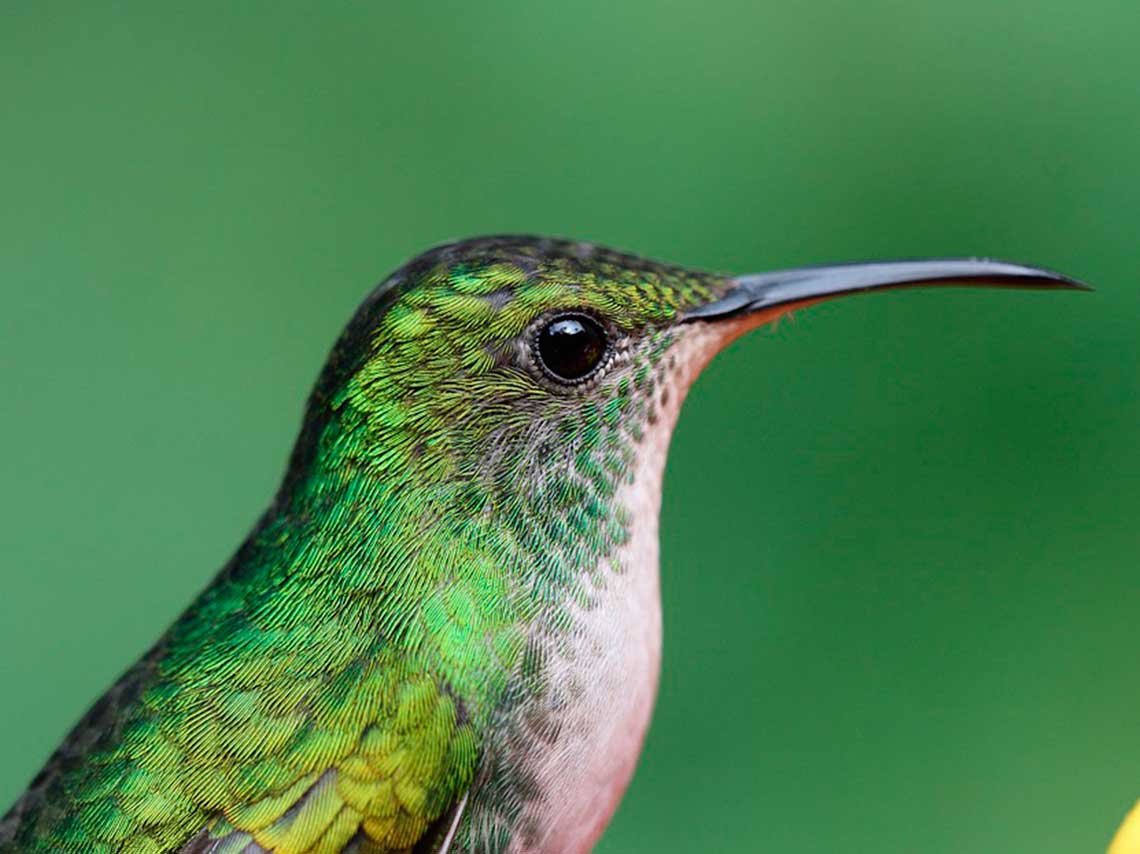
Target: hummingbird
x=444 y=634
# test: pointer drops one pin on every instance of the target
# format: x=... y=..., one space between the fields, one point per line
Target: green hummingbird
x=445 y=632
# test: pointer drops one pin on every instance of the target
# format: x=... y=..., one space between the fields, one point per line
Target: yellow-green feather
x=341 y=677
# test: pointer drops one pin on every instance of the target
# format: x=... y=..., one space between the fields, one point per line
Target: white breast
x=613 y=659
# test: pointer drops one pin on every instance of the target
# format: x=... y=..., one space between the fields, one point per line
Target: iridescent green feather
x=338 y=682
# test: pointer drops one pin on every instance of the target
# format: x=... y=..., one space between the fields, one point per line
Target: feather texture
x=344 y=681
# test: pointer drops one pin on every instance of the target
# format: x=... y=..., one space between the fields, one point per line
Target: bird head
x=519 y=393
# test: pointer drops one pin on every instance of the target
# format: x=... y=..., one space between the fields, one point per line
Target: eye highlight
x=571 y=346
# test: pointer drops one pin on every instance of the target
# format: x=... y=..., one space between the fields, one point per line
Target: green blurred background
x=900 y=534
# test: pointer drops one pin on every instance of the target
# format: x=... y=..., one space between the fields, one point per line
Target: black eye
x=571 y=346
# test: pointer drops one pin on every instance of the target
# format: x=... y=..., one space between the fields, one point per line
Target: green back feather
x=339 y=679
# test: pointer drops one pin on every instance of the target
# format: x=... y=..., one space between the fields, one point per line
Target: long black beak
x=758 y=291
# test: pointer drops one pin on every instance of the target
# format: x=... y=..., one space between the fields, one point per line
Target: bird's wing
x=440 y=838
x=303 y=755
x=437 y=839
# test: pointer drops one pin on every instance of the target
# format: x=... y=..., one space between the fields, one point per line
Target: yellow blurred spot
x=1127 y=840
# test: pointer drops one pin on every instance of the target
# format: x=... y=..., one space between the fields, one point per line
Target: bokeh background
x=900 y=534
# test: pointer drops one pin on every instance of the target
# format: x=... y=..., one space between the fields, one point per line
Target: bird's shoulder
x=300 y=745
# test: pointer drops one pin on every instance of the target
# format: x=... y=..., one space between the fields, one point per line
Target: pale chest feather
x=606 y=672
x=609 y=674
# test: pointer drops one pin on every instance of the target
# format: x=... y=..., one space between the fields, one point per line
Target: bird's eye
x=571 y=346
